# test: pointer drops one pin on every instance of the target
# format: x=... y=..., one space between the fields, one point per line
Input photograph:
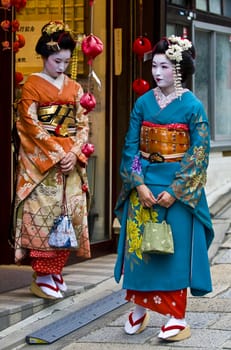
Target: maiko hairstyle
x=55 y=37
x=180 y=51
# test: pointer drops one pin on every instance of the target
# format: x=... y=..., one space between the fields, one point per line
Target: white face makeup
x=162 y=72
x=57 y=63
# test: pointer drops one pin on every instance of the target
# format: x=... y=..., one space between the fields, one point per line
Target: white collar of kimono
x=58 y=82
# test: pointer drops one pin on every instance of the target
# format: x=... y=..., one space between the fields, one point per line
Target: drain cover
x=75 y=320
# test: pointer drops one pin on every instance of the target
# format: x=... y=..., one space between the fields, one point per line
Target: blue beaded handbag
x=62 y=233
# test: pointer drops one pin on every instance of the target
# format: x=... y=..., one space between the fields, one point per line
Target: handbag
x=157 y=238
x=62 y=233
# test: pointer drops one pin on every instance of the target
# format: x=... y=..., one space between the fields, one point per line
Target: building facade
x=118 y=23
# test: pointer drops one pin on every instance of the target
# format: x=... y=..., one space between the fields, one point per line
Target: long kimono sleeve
x=190 y=179
x=39 y=146
x=130 y=169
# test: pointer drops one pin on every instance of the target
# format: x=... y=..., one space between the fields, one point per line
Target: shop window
x=227 y=8
x=201 y=5
x=182 y=3
x=212 y=82
x=218 y=7
x=215 y=6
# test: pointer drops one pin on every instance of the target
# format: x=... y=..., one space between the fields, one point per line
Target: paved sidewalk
x=209 y=317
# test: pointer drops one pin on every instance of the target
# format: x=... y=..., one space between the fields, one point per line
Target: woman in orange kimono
x=52 y=128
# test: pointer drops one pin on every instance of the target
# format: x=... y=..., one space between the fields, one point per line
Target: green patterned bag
x=157 y=238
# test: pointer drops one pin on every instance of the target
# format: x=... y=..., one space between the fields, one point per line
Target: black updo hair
x=187 y=66
x=63 y=38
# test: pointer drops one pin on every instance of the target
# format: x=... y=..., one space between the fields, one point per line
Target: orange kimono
x=51 y=122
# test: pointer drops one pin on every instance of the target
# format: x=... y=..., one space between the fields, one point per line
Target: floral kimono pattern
x=39 y=190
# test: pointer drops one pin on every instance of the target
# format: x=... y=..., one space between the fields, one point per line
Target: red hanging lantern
x=140 y=86
x=91 y=47
x=88 y=102
x=141 y=45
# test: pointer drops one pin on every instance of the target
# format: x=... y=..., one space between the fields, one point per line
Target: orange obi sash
x=164 y=143
x=58 y=119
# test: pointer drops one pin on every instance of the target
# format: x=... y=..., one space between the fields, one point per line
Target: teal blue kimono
x=189 y=216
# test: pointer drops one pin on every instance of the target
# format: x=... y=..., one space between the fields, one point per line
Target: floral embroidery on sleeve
x=191 y=178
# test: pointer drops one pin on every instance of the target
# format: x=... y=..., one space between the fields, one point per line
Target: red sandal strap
x=40 y=284
x=58 y=279
x=169 y=328
x=139 y=321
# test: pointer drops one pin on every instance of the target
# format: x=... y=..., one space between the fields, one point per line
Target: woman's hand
x=165 y=199
x=67 y=164
x=145 y=196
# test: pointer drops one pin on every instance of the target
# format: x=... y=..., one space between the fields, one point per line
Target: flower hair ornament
x=54 y=27
x=176 y=45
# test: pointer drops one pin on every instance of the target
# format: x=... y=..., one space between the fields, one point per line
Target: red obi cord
x=173 y=126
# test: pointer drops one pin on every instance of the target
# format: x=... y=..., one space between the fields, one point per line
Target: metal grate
x=58 y=329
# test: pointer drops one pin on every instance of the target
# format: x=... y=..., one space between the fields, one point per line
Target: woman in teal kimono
x=163 y=167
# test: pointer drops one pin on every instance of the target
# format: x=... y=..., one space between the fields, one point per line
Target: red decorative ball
x=141 y=45
x=140 y=86
x=84 y=188
x=88 y=149
x=91 y=47
x=21 y=40
x=15 y=25
x=15 y=46
x=5 y=25
x=18 y=78
x=88 y=102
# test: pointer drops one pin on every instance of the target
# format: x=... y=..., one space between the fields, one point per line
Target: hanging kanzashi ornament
x=140 y=86
x=92 y=46
x=141 y=45
x=88 y=102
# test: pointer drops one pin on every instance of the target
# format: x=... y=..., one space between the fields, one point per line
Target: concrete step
x=20 y=303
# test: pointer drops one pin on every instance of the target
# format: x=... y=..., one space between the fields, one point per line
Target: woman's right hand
x=145 y=196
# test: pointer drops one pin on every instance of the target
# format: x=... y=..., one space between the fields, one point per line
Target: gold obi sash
x=58 y=119
x=164 y=143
